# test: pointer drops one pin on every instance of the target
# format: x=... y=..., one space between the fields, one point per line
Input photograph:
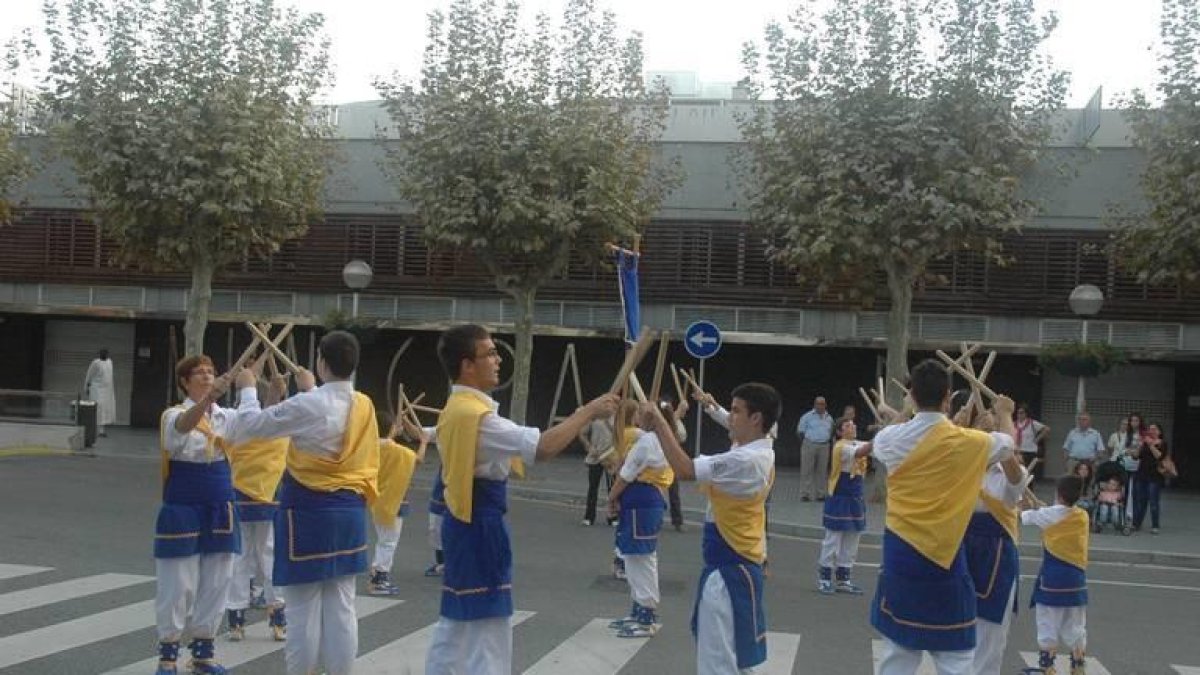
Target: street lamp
x=357 y=275
x=1086 y=300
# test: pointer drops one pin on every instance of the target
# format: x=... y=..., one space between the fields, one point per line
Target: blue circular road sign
x=702 y=339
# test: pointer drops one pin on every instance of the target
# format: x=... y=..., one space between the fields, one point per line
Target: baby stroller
x=1116 y=515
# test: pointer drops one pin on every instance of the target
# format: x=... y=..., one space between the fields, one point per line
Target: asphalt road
x=88 y=521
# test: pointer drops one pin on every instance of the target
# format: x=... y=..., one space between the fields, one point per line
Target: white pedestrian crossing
x=1186 y=670
x=781 y=653
x=879 y=647
x=258 y=642
x=13 y=571
x=594 y=649
x=1063 y=663
x=19 y=601
x=406 y=656
x=85 y=630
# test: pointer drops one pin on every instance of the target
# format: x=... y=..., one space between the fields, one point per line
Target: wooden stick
x=870 y=404
x=987 y=366
x=900 y=384
x=660 y=364
x=249 y=352
x=635 y=386
x=971 y=379
x=283 y=358
x=428 y=409
x=678 y=388
x=633 y=357
x=409 y=409
x=399 y=411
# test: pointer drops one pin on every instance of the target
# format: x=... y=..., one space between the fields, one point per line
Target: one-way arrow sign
x=702 y=339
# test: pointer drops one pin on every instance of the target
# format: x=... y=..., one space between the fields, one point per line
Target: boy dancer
x=729 y=621
x=638 y=500
x=1060 y=591
x=478 y=449
x=321 y=529
x=845 y=513
x=397 y=463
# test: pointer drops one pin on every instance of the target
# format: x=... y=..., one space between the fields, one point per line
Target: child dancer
x=397 y=463
x=845 y=513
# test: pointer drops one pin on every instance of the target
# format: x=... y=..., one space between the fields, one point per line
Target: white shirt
x=190 y=447
x=500 y=440
x=996 y=484
x=1029 y=434
x=847 y=459
x=315 y=420
x=894 y=443
x=741 y=471
x=1045 y=516
x=646 y=453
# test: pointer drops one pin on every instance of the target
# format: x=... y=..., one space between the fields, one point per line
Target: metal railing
x=37 y=407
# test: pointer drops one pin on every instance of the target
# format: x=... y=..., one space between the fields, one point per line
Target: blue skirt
x=994 y=564
x=251 y=510
x=1059 y=584
x=744 y=580
x=642 y=508
x=437 y=498
x=845 y=510
x=918 y=604
x=197 y=515
x=477 y=582
x=318 y=535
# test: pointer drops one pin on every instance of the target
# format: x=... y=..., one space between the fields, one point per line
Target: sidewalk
x=565 y=480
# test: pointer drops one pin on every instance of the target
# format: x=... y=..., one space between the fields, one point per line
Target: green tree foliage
x=14 y=162
x=191 y=126
x=1163 y=244
x=524 y=148
x=898 y=134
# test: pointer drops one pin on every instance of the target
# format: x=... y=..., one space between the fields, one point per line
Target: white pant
x=322 y=627
x=900 y=661
x=1062 y=626
x=191 y=595
x=435 y=531
x=480 y=647
x=716 y=653
x=641 y=571
x=255 y=561
x=991 y=638
x=840 y=549
x=386 y=539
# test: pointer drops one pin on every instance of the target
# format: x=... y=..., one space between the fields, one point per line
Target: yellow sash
x=629 y=436
x=458 y=440
x=397 y=463
x=742 y=521
x=932 y=494
x=257 y=467
x=1009 y=518
x=1067 y=539
x=662 y=478
x=356 y=466
x=835 y=466
x=205 y=429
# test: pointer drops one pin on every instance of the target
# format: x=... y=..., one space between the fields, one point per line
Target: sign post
x=702 y=340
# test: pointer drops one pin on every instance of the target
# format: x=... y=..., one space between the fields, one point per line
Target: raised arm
x=555 y=439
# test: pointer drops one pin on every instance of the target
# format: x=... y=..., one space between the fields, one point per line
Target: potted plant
x=1078 y=359
x=364 y=329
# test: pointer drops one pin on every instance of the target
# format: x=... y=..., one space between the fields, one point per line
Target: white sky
x=1105 y=43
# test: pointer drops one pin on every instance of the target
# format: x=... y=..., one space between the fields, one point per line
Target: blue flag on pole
x=627 y=281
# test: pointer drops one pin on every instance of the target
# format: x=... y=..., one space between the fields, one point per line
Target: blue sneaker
x=203 y=662
x=168 y=655
x=381 y=584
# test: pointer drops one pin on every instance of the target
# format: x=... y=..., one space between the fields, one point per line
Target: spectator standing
x=815 y=431
x=98 y=386
x=1083 y=444
x=597 y=439
x=1134 y=434
x=1030 y=433
x=1149 y=478
x=675 y=414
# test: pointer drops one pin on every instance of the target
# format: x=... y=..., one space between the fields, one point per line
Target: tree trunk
x=199 y=299
x=900 y=286
x=523 y=333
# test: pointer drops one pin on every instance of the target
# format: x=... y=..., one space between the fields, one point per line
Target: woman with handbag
x=1154 y=466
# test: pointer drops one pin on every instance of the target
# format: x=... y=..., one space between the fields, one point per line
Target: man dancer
x=197 y=533
x=479 y=448
x=321 y=529
x=815 y=430
x=729 y=621
x=925 y=599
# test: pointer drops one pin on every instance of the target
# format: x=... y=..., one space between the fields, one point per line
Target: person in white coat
x=98 y=387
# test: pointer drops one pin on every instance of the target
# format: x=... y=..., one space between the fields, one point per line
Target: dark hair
x=760 y=398
x=1129 y=432
x=1069 y=489
x=339 y=350
x=102 y=354
x=458 y=344
x=187 y=364
x=930 y=384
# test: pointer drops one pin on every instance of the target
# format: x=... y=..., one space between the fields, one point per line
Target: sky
x=1105 y=43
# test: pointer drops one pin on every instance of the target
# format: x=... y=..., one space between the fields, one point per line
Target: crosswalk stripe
x=1063 y=663
x=406 y=656
x=1187 y=670
x=781 y=653
x=594 y=649
x=258 y=642
x=60 y=637
x=19 y=601
x=878 y=647
x=13 y=571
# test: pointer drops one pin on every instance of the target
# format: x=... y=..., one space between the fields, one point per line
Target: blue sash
x=1059 y=584
x=994 y=564
x=919 y=605
x=251 y=510
x=845 y=509
x=197 y=514
x=437 y=498
x=744 y=581
x=642 y=507
x=477 y=582
x=318 y=535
